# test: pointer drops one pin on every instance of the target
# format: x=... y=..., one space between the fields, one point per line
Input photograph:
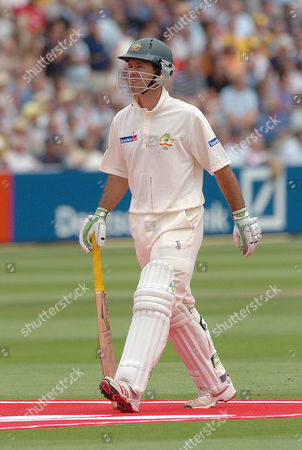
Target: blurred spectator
x=273 y=121
x=247 y=150
x=4 y=149
x=55 y=46
x=190 y=82
x=295 y=79
x=257 y=153
x=240 y=104
x=269 y=10
x=18 y=159
x=185 y=37
x=138 y=13
x=243 y=23
x=99 y=60
x=36 y=127
x=236 y=147
x=67 y=105
x=263 y=32
x=257 y=64
x=77 y=69
x=32 y=16
x=110 y=30
x=217 y=79
x=210 y=105
x=232 y=63
x=231 y=39
x=86 y=157
x=289 y=149
x=53 y=155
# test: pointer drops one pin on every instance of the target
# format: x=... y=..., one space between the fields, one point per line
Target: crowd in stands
x=239 y=62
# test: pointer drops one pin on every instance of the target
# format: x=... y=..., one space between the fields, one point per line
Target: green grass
x=262 y=352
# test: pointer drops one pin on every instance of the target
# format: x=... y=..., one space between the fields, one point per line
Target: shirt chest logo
x=127 y=139
x=166 y=141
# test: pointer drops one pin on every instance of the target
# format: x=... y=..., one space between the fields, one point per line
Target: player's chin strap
x=161 y=79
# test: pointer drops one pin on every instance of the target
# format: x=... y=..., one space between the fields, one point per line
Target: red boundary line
x=64 y=413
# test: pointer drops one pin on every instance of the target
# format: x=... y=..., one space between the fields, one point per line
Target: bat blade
x=106 y=350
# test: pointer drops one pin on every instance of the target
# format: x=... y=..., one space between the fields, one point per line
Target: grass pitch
x=262 y=352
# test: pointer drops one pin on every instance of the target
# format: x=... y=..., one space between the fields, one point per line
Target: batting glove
x=247 y=231
x=94 y=224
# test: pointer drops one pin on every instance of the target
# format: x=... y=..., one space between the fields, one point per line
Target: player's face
x=140 y=73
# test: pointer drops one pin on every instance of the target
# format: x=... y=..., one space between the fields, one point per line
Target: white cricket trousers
x=176 y=239
x=173 y=237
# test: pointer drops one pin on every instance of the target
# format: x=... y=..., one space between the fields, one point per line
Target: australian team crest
x=136 y=46
x=166 y=141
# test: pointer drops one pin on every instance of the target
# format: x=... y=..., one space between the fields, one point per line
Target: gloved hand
x=94 y=224
x=247 y=231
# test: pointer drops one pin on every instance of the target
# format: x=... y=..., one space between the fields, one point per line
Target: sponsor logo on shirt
x=213 y=142
x=127 y=139
x=135 y=46
x=166 y=141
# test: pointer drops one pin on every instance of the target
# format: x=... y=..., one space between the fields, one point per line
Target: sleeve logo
x=127 y=139
x=214 y=142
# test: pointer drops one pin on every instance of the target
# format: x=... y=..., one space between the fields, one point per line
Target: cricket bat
x=106 y=351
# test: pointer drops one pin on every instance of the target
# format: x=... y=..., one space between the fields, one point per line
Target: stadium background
x=240 y=62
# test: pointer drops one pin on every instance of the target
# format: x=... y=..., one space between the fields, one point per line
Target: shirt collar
x=161 y=102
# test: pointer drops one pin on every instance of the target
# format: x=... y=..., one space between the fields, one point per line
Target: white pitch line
x=90 y=420
x=46 y=417
x=168 y=416
x=269 y=416
x=43 y=417
x=63 y=425
x=93 y=420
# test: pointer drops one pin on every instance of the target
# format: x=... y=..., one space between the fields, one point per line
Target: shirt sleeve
x=114 y=161
x=205 y=146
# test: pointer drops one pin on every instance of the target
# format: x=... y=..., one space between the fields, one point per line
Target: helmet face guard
x=135 y=82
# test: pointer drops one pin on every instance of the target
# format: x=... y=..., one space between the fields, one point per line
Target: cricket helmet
x=156 y=52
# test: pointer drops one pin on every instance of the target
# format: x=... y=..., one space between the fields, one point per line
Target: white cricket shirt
x=162 y=153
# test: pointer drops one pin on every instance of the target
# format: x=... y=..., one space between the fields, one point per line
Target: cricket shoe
x=118 y=393
x=205 y=399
